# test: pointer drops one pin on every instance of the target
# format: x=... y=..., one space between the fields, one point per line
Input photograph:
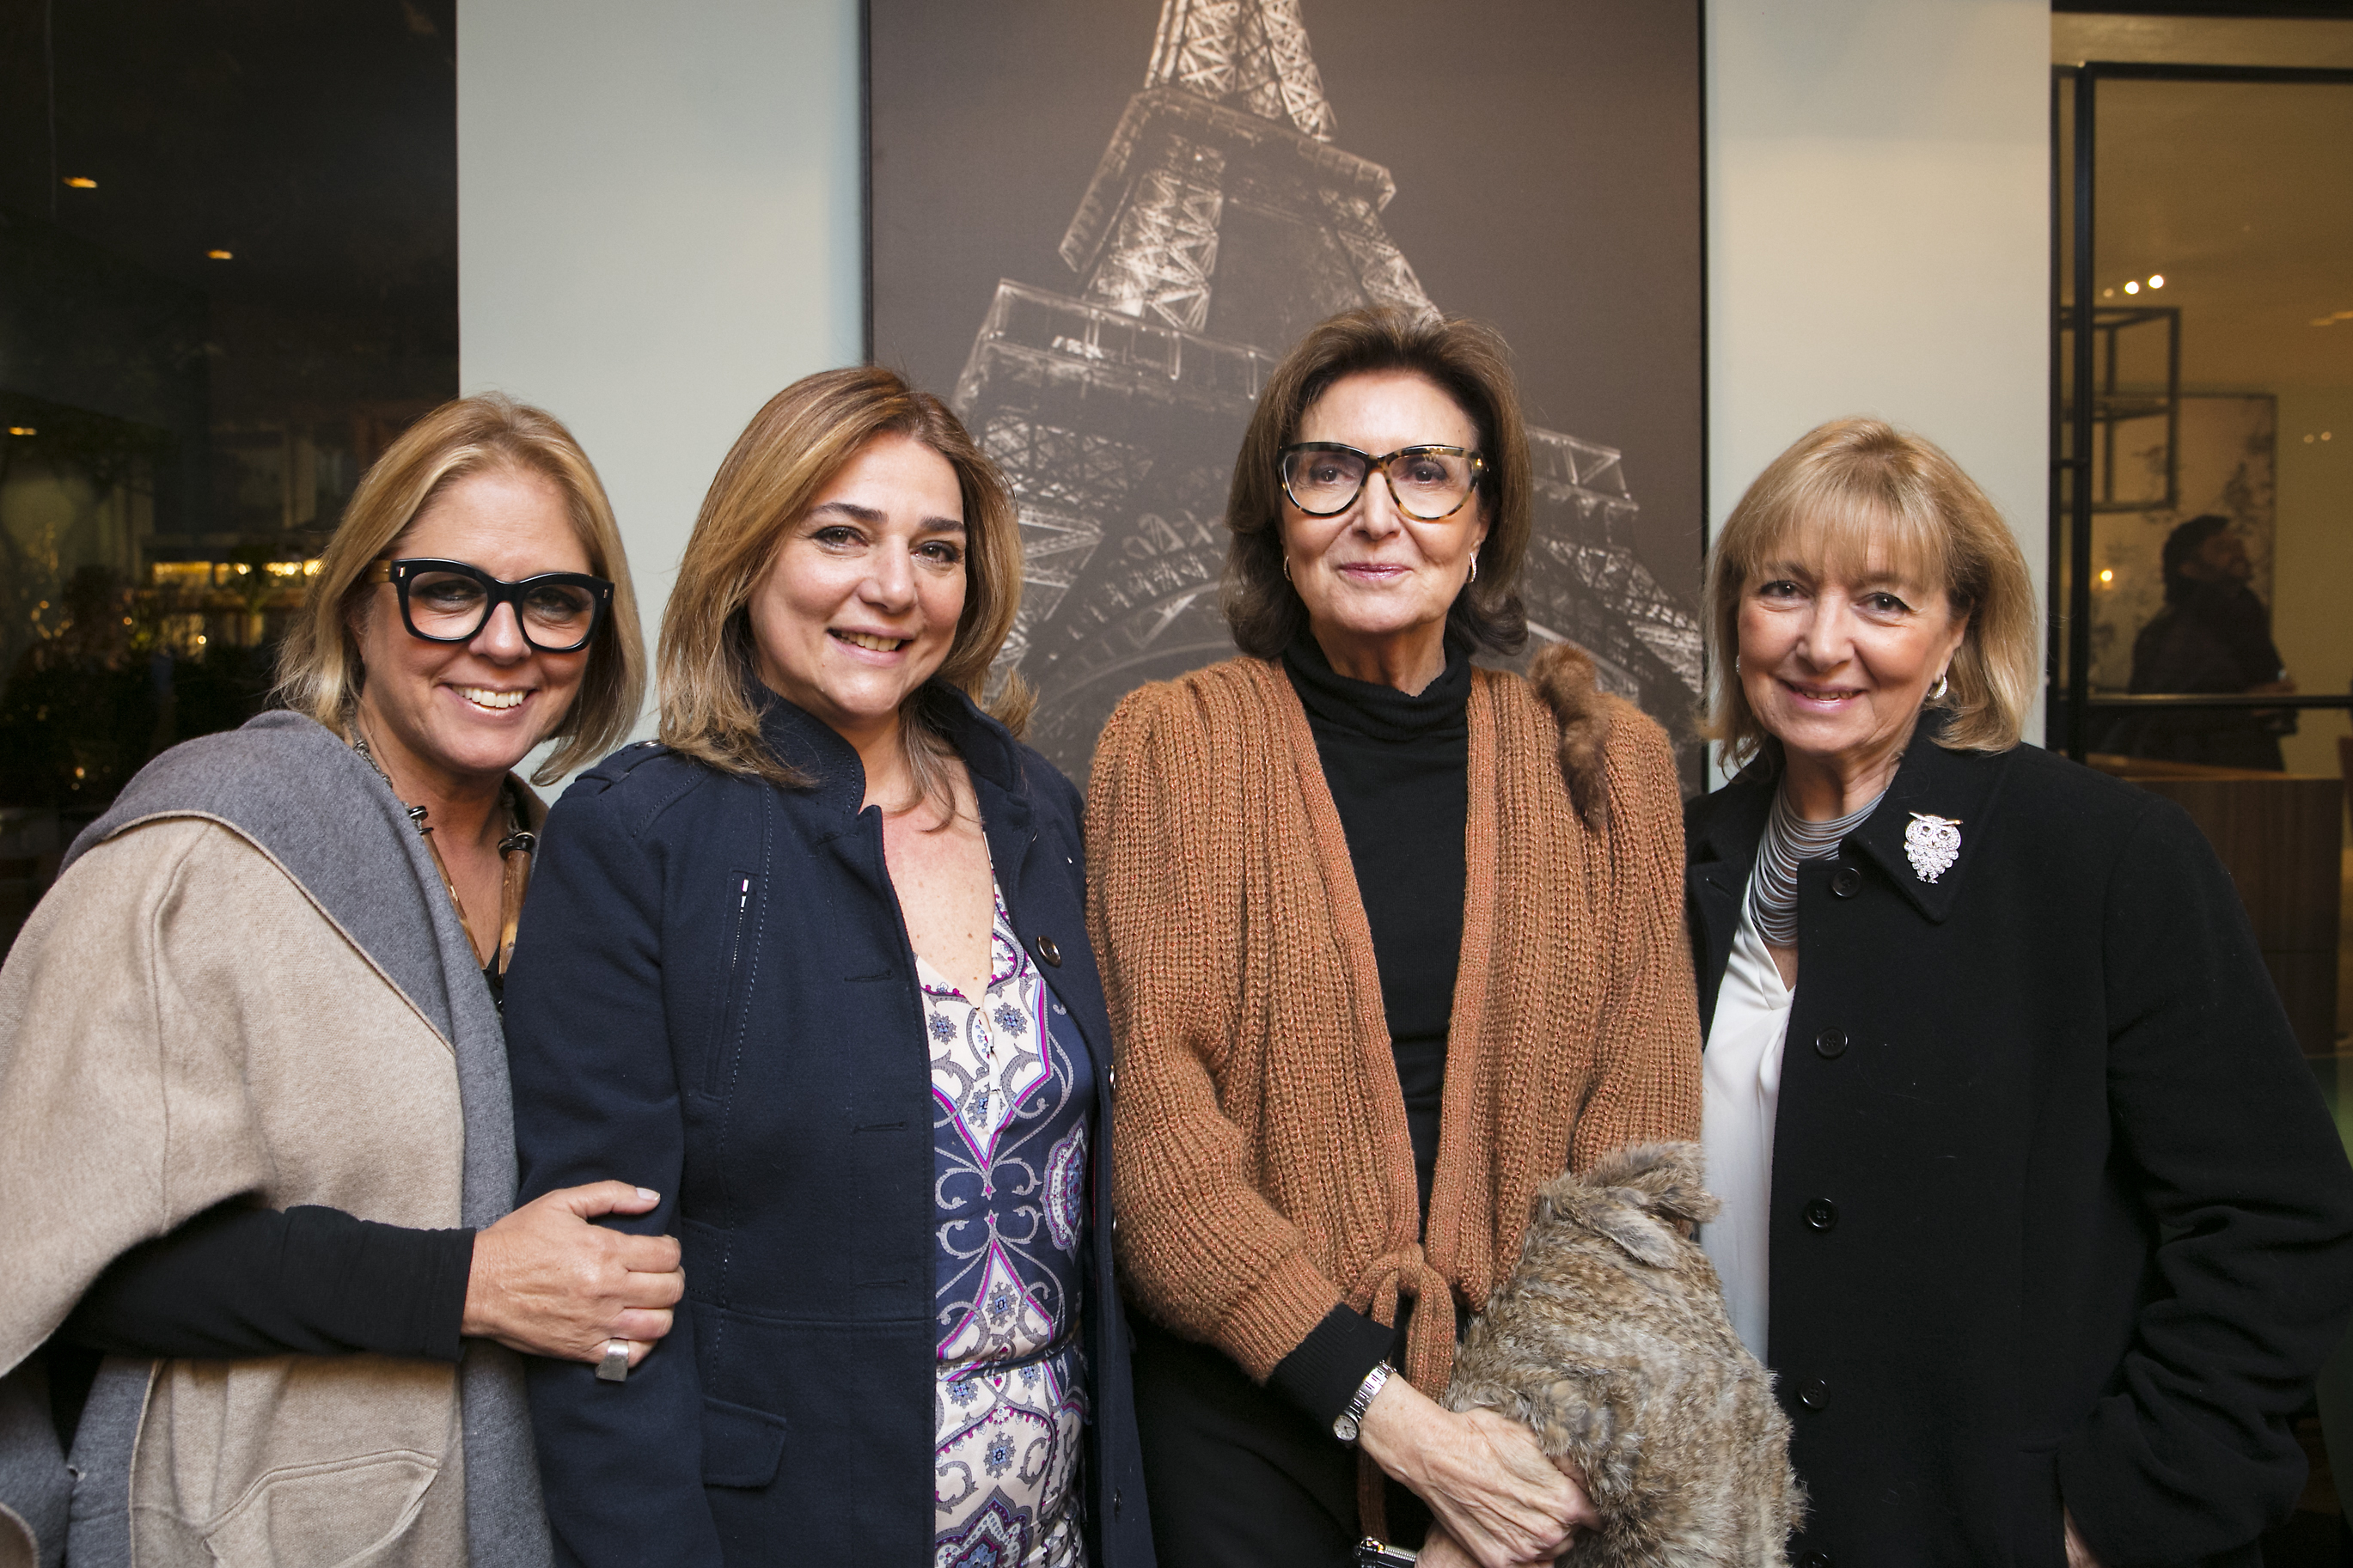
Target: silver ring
x=615 y=1367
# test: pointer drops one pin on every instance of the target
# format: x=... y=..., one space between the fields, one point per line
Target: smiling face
x=860 y=606
x=1376 y=583
x=451 y=716
x=1836 y=664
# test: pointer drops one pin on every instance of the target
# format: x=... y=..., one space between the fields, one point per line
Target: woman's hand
x=2078 y=1554
x=547 y=1282
x=1501 y=1502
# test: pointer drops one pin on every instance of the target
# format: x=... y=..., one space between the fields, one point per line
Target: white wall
x=1879 y=234
x=659 y=227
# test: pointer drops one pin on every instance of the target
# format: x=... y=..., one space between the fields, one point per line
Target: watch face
x=1345 y=1429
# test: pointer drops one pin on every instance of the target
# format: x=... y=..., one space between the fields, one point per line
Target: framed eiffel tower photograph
x=1095 y=225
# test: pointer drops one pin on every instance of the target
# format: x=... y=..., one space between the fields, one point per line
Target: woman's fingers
x=1500 y=1499
x=638 y=1323
x=548 y=1283
x=655 y=1257
x=602 y=1197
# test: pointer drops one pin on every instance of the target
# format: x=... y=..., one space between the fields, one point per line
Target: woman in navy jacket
x=2059 y=1231
x=816 y=970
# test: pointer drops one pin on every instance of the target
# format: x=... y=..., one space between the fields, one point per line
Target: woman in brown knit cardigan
x=1388 y=941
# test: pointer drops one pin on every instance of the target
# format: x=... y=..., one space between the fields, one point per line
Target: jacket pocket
x=735 y=964
x=348 y=1511
x=740 y=1446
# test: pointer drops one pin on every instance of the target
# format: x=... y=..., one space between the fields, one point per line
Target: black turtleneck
x=1398 y=767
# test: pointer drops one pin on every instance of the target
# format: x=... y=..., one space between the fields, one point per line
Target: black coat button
x=1831 y=1045
x=1822 y=1215
x=1116 y=1500
x=1815 y=1396
x=1846 y=881
x=1815 y=1560
x=1049 y=952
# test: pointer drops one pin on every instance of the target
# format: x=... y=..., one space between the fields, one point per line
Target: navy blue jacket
x=2057 y=1213
x=713 y=997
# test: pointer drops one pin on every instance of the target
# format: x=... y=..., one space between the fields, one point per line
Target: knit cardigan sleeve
x=1201 y=1248
x=1647 y=1088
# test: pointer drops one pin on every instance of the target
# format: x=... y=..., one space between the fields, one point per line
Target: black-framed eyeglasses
x=1429 y=483
x=451 y=601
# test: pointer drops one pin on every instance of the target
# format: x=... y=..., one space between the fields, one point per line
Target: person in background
x=815 y=969
x=254 y=1119
x=2030 y=1202
x=2213 y=635
x=1389 y=940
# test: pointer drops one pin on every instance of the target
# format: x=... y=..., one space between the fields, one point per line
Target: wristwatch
x=1343 y=1426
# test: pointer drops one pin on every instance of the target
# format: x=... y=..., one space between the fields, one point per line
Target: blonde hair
x=319 y=668
x=777 y=469
x=1859 y=491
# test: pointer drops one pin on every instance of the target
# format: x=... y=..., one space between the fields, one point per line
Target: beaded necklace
x=1790 y=841
x=515 y=857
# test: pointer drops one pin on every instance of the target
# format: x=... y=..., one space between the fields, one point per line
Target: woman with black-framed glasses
x=1389 y=940
x=254 y=1107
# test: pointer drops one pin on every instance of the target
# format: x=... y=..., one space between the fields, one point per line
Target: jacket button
x=1846 y=881
x=1815 y=1396
x=1116 y=1501
x=1831 y=1045
x=1112 y=1074
x=1815 y=1560
x=1049 y=952
x=1822 y=1215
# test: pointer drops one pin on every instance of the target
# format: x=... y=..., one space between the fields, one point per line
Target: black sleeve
x=1321 y=1376
x=2192 y=1453
x=238 y=1281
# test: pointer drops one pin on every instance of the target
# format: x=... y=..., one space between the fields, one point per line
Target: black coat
x=2057 y=1211
x=713 y=995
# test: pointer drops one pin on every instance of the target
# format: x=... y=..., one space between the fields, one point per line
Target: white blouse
x=1742 y=1077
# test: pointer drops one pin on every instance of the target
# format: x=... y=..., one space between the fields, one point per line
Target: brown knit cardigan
x=1262 y=1170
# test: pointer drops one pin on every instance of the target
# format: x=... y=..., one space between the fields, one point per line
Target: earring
x=1474 y=566
x=1937 y=692
x=1736 y=664
x=1286 y=568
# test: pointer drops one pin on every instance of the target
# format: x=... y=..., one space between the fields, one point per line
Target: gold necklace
x=515 y=852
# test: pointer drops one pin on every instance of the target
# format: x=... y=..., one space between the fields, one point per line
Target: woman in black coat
x=2030 y=1203
x=816 y=970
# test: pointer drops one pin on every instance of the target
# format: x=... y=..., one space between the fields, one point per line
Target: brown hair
x=779 y=466
x=1471 y=364
x=319 y=670
x=1848 y=491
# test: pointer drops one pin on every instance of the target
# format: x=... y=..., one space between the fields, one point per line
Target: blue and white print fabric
x=1012 y=1108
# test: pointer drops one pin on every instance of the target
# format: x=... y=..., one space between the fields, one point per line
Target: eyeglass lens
x=449 y=605
x=1428 y=484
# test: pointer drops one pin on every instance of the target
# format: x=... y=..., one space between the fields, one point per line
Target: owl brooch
x=1932 y=844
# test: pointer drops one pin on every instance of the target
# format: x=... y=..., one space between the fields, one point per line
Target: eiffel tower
x=1222 y=222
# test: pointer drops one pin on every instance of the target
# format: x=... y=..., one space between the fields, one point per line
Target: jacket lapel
x=1958 y=786
x=1725 y=830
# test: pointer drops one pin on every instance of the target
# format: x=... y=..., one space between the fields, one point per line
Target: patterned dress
x=1012 y=1114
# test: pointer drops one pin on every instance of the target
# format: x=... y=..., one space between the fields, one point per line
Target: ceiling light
x=81 y=182
x=2157 y=280
x=2108 y=294
x=2107 y=576
x=218 y=255
x=2132 y=287
x=22 y=430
